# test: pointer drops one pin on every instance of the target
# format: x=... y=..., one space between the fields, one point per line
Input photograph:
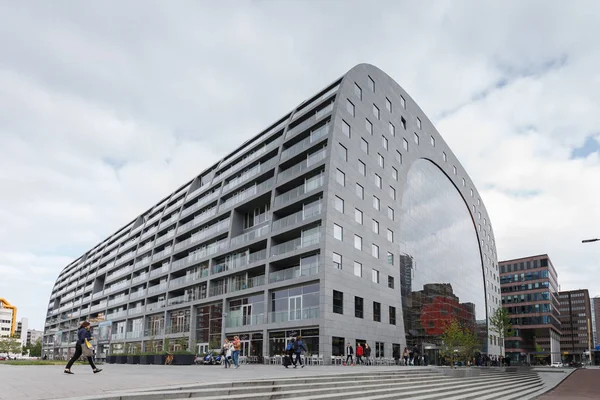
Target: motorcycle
x=209 y=359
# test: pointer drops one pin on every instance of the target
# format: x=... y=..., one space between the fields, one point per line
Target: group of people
x=230 y=353
x=295 y=347
x=363 y=354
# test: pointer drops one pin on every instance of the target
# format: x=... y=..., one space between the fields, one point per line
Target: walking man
x=349 y=354
x=298 y=348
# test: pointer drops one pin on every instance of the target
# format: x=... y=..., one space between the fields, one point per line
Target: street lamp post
x=588 y=320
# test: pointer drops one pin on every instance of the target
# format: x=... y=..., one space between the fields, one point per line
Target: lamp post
x=588 y=320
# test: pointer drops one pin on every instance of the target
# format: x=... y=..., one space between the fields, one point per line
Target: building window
x=371 y=84
x=478 y=202
x=357 y=242
x=357 y=91
x=444 y=156
x=432 y=141
x=376 y=203
x=368 y=126
x=399 y=155
x=392 y=129
x=392 y=313
x=403 y=122
x=376 y=311
x=403 y=102
x=395 y=173
x=338 y=232
x=357 y=268
x=464 y=183
x=362 y=168
x=390 y=235
x=350 y=107
x=375 y=275
x=376 y=112
x=388 y=104
x=416 y=137
x=418 y=123
x=380 y=160
x=454 y=169
x=471 y=190
x=338 y=302
x=375 y=226
x=390 y=258
x=379 y=350
x=343 y=152
x=339 y=204
x=358 y=216
x=392 y=193
x=340 y=177
x=337 y=346
x=337 y=260
x=364 y=145
x=374 y=250
x=391 y=213
x=405 y=144
x=378 y=181
x=345 y=128
x=358 y=307
x=360 y=191
x=384 y=142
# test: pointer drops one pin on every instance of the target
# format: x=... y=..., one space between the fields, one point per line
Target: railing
x=165 y=237
x=141 y=263
x=154 y=332
x=254 y=171
x=149 y=233
x=257 y=153
x=178 y=300
x=174 y=206
x=238 y=262
x=200 y=254
x=177 y=329
x=168 y=222
x=295 y=315
x=135 y=310
x=127 y=245
x=234 y=322
x=145 y=247
x=305 y=143
x=115 y=315
x=162 y=253
x=200 y=203
x=294 y=244
x=117 y=336
x=198 y=219
x=198 y=190
x=218 y=290
x=247 y=284
x=248 y=192
x=185 y=280
x=140 y=278
x=155 y=306
x=120 y=285
x=293 y=273
x=211 y=230
x=117 y=300
x=137 y=294
x=315 y=103
x=249 y=236
x=295 y=218
x=125 y=257
x=159 y=271
x=105 y=268
x=135 y=334
x=304 y=165
x=297 y=192
x=119 y=272
x=158 y=288
x=98 y=306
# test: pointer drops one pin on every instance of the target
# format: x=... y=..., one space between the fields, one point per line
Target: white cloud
x=102 y=113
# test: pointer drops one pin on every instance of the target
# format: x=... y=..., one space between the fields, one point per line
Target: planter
x=120 y=359
x=461 y=372
x=183 y=359
x=110 y=359
x=147 y=359
x=159 y=359
x=133 y=359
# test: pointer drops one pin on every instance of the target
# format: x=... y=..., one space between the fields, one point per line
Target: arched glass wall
x=440 y=261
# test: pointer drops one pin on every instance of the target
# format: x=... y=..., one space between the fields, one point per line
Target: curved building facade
x=349 y=220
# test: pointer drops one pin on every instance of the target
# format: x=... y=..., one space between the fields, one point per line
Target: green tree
x=36 y=349
x=459 y=342
x=10 y=345
x=500 y=324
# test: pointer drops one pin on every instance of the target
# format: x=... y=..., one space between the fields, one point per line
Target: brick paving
x=583 y=384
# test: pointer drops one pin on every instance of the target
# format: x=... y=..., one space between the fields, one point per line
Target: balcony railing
x=117 y=300
x=117 y=286
x=141 y=263
x=165 y=237
x=305 y=165
x=296 y=217
x=162 y=253
x=125 y=257
x=295 y=315
x=160 y=271
x=174 y=206
x=158 y=288
x=218 y=290
x=200 y=203
x=115 y=315
x=256 y=154
x=249 y=236
x=178 y=300
x=293 y=273
x=155 y=306
x=120 y=272
x=294 y=244
x=200 y=254
x=135 y=334
x=298 y=191
x=199 y=190
x=203 y=234
x=117 y=336
x=248 y=284
x=137 y=294
x=186 y=280
x=254 y=171
x=154 y=332
x=97 y=307
x=198 y=219
x=305 y=143
x=140 y=278
x=135 y=310
x=235 y=322
x=239 y=262
x=149 y=233
x=247 y=193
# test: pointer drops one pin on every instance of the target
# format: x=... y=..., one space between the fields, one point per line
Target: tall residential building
x=347 y=220
x=8 y=318
x=33 y=336
x=22 y=329
x=596 y=320
x=530 y=294
x=575 y=325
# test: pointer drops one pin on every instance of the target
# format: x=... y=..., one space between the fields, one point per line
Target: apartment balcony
x=125 y=257
x=127 y=245
x=293 y=273
x=217 y=290
x=200 y=203
x=179 y=300
x=302 y=166
x=97 y=295
x=119 y=273
x=173 y=207
x=295 y=244
x=117 y=300
x=165 y=237
x=158 y=288
x=197 y=237
x=116 y=315
x=155 y=306
x=168 y=222
x=306 y=143
x=297 y=192
x=249 y=236
x=198 y=219
x=149 y=233
x=186 y=280
x=135 y=310
x=251 y=173
x=295 y=218
x=140 y=278
x=105 y=268
x=247 y=320
x=86 y=299
x=294 y=315
x=256 y=154
x=200 y=254
x=154 y=332
x=119 y=286
x=137 y=294
x=118 y=336
x=163 y=253
x=160 y=271
x=141 y=263
x=100 y=306
x=68 y=296
x=134 y=335
x=239 y=262
x=246 y=194
x=247 y=283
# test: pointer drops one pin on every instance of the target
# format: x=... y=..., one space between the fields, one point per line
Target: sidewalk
x=580 y=385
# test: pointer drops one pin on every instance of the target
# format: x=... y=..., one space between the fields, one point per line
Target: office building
x=33 y=336
x=320 y=226
x=595 y=320
x=8 y=318
x=21 y=331
x=575 y=325
x=530 y=294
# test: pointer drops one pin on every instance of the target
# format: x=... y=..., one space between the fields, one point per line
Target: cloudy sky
x=105 y=108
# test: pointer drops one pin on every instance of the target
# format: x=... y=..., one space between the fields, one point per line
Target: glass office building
x=349 y=220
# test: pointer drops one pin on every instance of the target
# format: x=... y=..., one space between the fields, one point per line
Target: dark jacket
x=299 y=346
x=349 y=350
x=367 y=352
x=83 y=334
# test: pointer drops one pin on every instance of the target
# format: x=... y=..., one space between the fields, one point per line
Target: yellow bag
x=88 y=344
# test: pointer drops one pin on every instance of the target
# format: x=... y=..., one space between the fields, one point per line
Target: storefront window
x=278 y=340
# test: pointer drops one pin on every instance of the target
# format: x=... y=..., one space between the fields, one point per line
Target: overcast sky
x=105 y=107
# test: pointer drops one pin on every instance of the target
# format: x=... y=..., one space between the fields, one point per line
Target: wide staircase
x=417 y=384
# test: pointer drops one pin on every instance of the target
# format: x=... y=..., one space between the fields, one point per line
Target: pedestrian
x=405 y=355
x=289 y=353
x=349 y=354
x=415 y=353
x=237 y=345
x=367 y=352
x=226 y=353
x=298 y=348
x=82 y=346
x=359 y=354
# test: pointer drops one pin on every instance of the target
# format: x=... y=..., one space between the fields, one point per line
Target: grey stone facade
x=272 y=202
